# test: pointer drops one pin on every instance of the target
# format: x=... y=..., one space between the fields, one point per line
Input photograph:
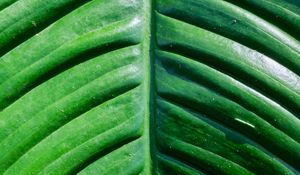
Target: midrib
x=148 y=60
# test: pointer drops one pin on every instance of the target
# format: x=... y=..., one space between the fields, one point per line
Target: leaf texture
x=149 y=87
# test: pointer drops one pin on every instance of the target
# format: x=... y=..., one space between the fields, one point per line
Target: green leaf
x=150 y=87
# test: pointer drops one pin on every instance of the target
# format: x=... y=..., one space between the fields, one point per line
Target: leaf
x=149 y=87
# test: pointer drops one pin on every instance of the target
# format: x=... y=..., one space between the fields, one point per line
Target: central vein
x=149 y=120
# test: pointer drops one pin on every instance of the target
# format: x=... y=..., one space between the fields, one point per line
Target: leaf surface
x=149 y=87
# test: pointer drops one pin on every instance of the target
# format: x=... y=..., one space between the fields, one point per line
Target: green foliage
x=123 y=87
